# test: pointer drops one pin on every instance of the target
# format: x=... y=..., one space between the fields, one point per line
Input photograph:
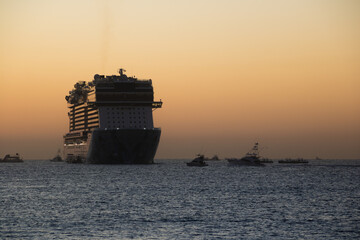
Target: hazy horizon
x=282 y=73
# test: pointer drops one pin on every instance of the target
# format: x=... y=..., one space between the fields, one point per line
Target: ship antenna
x=121 y=70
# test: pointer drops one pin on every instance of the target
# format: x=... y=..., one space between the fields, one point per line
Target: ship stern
x=123 y=146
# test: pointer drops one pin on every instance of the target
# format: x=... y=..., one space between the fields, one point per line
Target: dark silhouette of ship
x=12 y=158
x=199 y=161
x=111 y=121
x=252 y=158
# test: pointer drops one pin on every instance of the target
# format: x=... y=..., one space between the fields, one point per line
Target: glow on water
x=168 y=200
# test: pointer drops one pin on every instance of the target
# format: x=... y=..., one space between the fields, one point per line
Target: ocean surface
x=169 y=200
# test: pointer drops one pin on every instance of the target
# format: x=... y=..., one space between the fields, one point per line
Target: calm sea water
x=168 y=200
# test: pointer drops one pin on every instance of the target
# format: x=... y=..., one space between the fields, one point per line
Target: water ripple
x=44 y=200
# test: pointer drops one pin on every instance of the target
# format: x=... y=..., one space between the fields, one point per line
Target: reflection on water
x=168 y=200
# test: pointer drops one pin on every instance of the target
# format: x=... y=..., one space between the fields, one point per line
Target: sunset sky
x=231 y=72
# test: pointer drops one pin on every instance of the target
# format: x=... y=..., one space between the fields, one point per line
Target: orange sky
x=284 y=73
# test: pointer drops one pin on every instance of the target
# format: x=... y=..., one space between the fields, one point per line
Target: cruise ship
x=111 y=121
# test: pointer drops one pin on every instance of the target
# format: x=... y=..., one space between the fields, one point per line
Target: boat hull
x=244 y=162
x=11 y=161
x=293 y=162
x=120 y=146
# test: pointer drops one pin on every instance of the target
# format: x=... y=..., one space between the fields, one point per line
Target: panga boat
x=252 y=158
x=199 y=161
x=289 y=160
x=12 y=158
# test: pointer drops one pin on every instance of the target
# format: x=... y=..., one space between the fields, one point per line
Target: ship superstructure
x=111 y=121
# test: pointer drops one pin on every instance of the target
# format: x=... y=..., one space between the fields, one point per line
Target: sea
x=168 y=200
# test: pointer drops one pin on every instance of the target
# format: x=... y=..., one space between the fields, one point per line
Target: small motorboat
x=252 y=158
x=199 y=161
x=12 y=158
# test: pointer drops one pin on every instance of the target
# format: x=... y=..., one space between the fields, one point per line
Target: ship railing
x=157 y=104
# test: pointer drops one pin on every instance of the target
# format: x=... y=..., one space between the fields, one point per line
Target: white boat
x=252 y=158
x=199 y=161
x=111 y=121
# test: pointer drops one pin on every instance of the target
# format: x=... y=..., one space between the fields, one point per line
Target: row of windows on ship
x=128 y=125
x=122 y=113
x=122 y=117
x=123 y=122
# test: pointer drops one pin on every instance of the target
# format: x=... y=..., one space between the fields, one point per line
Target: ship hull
x=122 y=146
